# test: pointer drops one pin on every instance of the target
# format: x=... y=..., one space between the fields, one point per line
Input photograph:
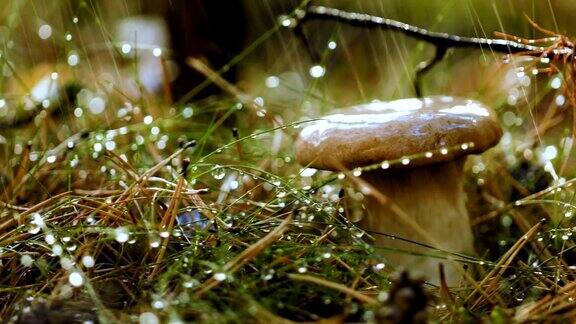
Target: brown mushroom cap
x=383 y=131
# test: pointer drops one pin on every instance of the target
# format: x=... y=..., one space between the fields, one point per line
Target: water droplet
x=556 y=83
x=444 y=151
x=57 y=249
x=88 y=261
x=50 y=238
x=76 y=279
x=385 y=165
x=190 y=283
x=357 y=232
x=110 y=145
x=332 y=45
x=218 y=172
x=302 y=269
x=317 y=71
x=405 y=161
x=148 y=120
x=97 y=105
x=157 y=52
x=121 y=234
x=261 y=113
x=272 y=81
x=287 y=22
x=148 y=318
x=78 y=112
x=220 y=276
x=560 y=100
x=357 y=172
x=45 y=31
x=126 y=48
x=158 y=304
x=307 y=172
x=187 y=112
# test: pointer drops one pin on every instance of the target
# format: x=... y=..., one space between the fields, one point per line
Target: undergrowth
x=197 y=210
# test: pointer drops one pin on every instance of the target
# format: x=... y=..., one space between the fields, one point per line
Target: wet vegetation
x=146 y=181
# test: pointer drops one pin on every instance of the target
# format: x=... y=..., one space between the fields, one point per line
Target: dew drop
x=157 y=52
x=317 y=71
x=121 y=235
x=556 y=83
x=73 y=58
x=158 y=304
x=272 y=81
x=45 y=31
x=50 y=238
x=26 y=260
x=97 y=105
x=218 y=173
x=76 y=279
x=357 y=232
x=88 y=261
x=261 y=113
x=148 y=318
x=187 y=112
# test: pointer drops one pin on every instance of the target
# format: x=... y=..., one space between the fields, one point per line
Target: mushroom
x=430 y=137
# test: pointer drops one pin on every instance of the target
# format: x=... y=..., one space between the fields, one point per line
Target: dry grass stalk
x=332 y=285
x=248 y=254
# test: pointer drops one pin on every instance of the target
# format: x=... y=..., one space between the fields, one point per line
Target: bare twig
x=438 y=39
x=555 y=48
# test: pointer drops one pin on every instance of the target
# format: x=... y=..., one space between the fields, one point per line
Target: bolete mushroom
x=430 y=137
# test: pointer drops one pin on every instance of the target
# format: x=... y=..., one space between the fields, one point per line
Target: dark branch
x=427 y=66
x=441 y=40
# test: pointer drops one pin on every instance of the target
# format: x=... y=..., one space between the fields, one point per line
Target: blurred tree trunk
x=213 y=30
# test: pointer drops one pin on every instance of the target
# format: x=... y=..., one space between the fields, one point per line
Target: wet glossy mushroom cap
x=384 y=131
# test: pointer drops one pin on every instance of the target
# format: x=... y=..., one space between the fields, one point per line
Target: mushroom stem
x=433 y=197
